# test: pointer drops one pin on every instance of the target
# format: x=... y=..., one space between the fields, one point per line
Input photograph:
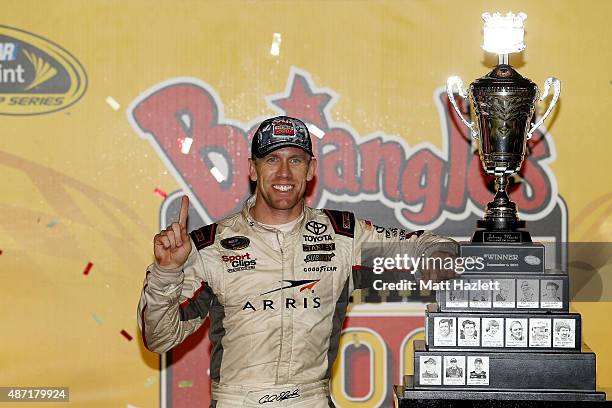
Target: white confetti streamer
x=186 y=146
x=316 y=131
x=276 y=41
x=112 y=103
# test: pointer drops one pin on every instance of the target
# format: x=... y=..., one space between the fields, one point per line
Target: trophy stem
x=502 y=211
x=501 y=184
x=503 y=59
x=501 y=220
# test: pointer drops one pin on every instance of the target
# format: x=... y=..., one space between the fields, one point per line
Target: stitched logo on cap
x=282 y=128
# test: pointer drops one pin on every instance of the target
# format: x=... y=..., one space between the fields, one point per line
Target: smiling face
x=281 y=178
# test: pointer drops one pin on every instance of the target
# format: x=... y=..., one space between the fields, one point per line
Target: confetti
x=126 y=335
x=316 y=131
x=186 y=145
x=160 y=193
x=97 y=319
x=87 y=268
x=112 y=103
x=52 y=223
x=185 y=384
x=356 y=340
x=149 y=381
x=185 y=122
x=276 y=41
x=217 y=175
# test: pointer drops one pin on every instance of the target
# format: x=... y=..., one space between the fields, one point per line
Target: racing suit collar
x=257 y=226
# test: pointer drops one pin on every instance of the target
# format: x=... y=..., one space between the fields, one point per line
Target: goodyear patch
x=36 y=75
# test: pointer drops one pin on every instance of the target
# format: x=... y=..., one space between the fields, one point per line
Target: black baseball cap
x=280 y=131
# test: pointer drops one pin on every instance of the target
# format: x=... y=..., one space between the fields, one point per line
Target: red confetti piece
x=87 y=268
x=160 y=193
x=126 y=335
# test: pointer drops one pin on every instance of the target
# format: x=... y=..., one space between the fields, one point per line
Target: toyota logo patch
x=316 y=227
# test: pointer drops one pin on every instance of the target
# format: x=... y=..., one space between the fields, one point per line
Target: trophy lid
x=503 y=75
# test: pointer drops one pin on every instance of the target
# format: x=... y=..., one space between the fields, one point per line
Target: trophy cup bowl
x=503 y=103
x=502 y=107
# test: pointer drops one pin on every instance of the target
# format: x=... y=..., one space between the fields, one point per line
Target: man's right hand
x=173 y=245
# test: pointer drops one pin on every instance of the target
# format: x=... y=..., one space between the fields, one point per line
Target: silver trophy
x=502 y=105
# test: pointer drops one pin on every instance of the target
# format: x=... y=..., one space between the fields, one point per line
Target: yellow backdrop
x=78 y=184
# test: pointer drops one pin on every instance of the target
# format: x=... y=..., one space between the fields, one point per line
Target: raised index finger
x=184 y=211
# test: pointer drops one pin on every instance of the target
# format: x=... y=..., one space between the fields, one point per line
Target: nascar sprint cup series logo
x=36 y=75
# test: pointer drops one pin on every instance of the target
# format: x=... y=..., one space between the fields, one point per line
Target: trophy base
x=437 y=342
x=460 y=302
x=501 y=232
x=407 y=397
x=505 y=370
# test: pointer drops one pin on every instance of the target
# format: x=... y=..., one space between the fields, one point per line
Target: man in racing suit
x=274 y=279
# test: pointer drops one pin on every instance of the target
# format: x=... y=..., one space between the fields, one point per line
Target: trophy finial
x=504 y=34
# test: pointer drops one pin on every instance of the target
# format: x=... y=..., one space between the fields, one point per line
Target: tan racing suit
x=276 y=302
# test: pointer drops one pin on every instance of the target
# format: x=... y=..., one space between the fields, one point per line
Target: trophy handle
x=557 y=84
x=456 y=82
